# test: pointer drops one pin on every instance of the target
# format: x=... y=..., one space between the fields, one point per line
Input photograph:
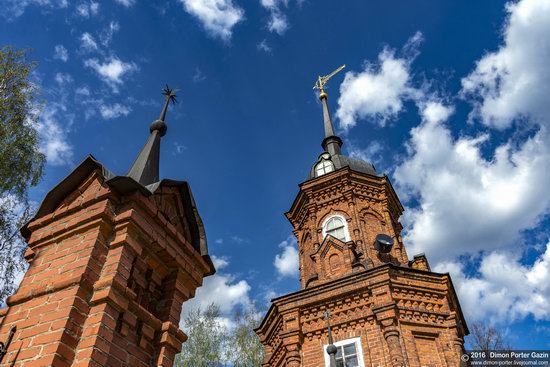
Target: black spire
x=331 y=143
x=145 y=169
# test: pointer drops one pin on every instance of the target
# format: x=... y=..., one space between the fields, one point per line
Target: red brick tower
x=111 y=260
x=386 y=310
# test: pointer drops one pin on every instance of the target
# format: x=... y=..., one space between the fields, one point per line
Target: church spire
x=145 y=169
x=331 y=142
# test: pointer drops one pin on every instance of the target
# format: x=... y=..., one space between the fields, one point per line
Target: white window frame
x=322 y=162
x=346 y=231
x=340 y=343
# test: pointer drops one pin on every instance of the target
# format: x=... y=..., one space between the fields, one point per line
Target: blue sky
x=450 y=99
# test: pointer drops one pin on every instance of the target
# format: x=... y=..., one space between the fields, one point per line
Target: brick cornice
x=346 y=294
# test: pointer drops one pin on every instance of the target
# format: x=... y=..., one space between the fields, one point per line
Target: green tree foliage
x=246 y=349
x=207 y=337
x=21 y=162
x=215 y=341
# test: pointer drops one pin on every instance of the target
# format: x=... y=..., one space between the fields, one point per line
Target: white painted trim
x=346 y=230
x=358 y=347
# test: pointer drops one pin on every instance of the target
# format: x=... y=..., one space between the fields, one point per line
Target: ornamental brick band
x=110 y=264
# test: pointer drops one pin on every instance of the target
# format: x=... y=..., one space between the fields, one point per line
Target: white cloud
x=263 y=46
x=479 y=204
x=126 y=3
x=61 y=53
x=469 y=203
x=287 y=263
x=16 y=8
x=112 y=71
x=514 y=81
x=220 y=262
x=239 y=240
x=218 y=17
x=53 y=136
x=63 y=79
x=198 y=76
x=504 y=290
x=178 y=149
x=278 y=21
x=434 y=112
x=88 y=43
x=114 y=111
x=379 y=90
x=476 y=195
x=222 y=289
x=372 y=153
x=106 y=35
x=83 y=91
x=269 y=295
x=88 y=9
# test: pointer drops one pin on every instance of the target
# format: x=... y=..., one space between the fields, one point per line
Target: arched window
x=336 y=227
x=324 y=166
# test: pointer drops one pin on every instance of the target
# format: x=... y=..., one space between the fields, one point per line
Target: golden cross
x=322 y=80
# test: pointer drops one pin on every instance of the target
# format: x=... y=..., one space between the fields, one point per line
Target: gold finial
x=322 y=80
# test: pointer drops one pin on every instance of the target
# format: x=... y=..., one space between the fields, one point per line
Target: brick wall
x=404 y=314
x=369 y=206
x=107 y=277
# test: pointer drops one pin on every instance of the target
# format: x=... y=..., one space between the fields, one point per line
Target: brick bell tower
x=111 y=260
x=384 y=309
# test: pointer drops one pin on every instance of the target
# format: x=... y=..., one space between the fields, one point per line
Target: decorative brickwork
x=404 y=314
x=367 y=203
x=110 y=264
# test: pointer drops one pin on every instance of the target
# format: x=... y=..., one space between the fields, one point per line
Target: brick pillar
x=108 y=273
x=66 y=253
x=456 y=347
x=292 y=338
x=293 y=358
x=391 y=334
x=458 y=344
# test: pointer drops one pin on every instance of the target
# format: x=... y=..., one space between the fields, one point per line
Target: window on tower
x=324 y=166
x=336 y=227
x=348 y=353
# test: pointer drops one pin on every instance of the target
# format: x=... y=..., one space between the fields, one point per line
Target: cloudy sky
x=450 y=99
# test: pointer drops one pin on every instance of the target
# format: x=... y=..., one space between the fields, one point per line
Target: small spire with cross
x=159 y=124
x=145 y=169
